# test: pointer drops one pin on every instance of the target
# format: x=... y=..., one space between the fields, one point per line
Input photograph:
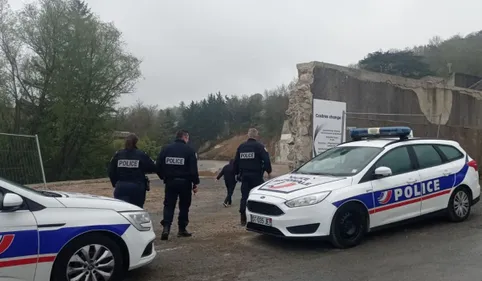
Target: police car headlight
x=307 y=200
x=140 y=220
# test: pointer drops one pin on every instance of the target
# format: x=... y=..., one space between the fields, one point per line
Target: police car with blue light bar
x=381 y=177
x=61 y=236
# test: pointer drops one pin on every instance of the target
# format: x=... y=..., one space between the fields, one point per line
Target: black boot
x=183 y=232
x=243 y=219
x=165 y=233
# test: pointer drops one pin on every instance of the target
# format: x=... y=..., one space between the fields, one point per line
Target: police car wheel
x=87 y=258
x=349 y=226
x=459 y=205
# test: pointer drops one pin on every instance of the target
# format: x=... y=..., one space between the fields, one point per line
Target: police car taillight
x=473 y=164
x=360 y=133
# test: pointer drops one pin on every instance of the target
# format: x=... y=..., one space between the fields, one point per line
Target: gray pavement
x=221 y=250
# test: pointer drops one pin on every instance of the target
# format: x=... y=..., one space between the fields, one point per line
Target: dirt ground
x=156 y=195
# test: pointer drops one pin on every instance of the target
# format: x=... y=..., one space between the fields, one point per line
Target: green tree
x=66 y=86
x=463 y=54
x=401 y=63
x=275 y=105
x=149 y=147
x=140 y=118
x=439 y=57
x=167 y=127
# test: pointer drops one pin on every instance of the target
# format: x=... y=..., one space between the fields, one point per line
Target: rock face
x=432 y=106
x=299 y=115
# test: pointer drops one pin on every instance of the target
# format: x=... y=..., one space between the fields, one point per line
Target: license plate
x=261 y=220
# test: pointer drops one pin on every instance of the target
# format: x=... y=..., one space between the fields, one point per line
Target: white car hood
x=82 y=200
x=293 y=185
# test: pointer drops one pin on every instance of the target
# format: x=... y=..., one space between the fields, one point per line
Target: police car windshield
x=40 y=192
x=340 y=161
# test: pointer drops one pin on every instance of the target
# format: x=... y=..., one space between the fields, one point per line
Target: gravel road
x=222 y=250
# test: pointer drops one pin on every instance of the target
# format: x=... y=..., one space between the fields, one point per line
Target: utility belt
x=248 y=173
x=146 y=183
x=179 y=179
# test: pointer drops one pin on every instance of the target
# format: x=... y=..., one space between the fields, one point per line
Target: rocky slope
x=226 y=150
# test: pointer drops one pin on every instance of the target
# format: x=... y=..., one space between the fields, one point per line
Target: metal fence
x=21 y=159
x=419 y=123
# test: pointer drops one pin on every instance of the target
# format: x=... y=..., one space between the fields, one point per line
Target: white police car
x=60 y=236
x=364 y=184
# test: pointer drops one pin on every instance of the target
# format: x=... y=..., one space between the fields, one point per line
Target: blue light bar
x=359 y=133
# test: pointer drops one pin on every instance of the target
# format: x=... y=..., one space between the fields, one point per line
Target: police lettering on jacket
x=252 y=157
x=130 y=165
x=123 y=163
x=247 y=155
x=178 y=160
x=175 y=161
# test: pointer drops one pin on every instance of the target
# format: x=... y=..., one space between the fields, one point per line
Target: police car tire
x=452 y=216
x=360 y=219
x=61 y=262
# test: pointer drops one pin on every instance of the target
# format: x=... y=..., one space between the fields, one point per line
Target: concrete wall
x=282 y=147
x=421 y=104
x=465 y=80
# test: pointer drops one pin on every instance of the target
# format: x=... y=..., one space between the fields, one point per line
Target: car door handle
x=411 y=181
x=446 y=172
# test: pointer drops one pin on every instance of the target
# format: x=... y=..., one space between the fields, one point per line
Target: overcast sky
x=191 y=48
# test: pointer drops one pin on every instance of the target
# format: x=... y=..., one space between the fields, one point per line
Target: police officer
x=127 y=172
x=252 y=160
x=177 y=166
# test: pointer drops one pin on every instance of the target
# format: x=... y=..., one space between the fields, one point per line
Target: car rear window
x=450 y=152
x=427 y=156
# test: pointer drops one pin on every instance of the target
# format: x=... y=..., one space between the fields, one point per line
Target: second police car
x=60 y=236
x=369 y=182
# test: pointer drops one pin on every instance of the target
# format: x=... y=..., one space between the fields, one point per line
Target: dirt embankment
x=226 y=149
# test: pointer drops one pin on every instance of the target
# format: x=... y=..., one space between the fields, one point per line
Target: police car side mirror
x=383 y=171
x=11 y=202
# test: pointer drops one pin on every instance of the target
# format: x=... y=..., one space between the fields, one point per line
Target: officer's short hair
x=131 y=141
x=252 y=133
x=181 y=133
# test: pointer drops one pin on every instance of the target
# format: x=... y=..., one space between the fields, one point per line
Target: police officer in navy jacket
x=252 y=160
x=127 y=172
x=177 y=166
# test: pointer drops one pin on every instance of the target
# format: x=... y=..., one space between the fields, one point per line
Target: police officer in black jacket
x=177 y=166
x=127 y=172
x=252 y=160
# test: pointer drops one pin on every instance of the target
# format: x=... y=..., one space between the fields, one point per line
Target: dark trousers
x=130 y=192
x=248 y=182
x=230 y=190
x=174 y=189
